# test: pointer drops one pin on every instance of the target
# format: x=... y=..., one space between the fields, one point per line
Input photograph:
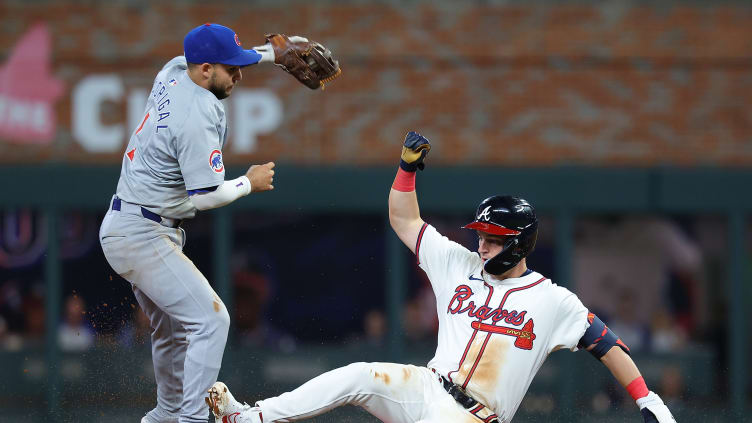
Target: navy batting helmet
x=510 y=216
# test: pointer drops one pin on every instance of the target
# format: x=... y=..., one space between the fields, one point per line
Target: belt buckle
x=467 y=401
x=462 y=398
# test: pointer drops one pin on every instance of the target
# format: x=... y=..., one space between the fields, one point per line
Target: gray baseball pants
x=188 y=320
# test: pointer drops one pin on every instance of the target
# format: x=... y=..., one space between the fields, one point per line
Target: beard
x=219 y=91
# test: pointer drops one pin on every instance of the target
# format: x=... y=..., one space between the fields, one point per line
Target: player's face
x=223 y=80
x=489 y=245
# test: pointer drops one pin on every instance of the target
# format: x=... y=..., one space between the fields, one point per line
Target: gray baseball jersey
x=177 y=147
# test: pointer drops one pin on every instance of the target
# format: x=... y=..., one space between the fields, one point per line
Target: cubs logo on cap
x=214 y=43
x=215 y=161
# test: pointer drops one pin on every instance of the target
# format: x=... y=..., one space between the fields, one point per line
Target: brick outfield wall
x=513 y=85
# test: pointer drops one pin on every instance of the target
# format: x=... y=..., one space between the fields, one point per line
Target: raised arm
x=404 y=213
x=604 y=345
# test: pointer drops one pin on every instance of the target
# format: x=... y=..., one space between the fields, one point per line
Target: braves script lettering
x=459 y=304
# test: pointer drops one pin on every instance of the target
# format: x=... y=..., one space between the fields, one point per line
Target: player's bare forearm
x=404 y=216
x=621 y=365
x=625 y=371
x=404 y=213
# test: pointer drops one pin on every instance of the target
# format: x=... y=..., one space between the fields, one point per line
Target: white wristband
x=243 y=184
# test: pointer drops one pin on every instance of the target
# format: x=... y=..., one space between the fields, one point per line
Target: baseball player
x=172 y=167
x=498 y=321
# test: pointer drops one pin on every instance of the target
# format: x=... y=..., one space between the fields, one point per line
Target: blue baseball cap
x=214 y=43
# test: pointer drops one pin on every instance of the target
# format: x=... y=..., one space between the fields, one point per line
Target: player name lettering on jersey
x=161 y=99
x=459 y=305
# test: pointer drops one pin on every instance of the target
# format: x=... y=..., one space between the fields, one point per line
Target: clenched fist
x=415 y=148
x=261 y=177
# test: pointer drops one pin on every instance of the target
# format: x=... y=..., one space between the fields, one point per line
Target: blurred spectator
x=418 y=326
x=649 y=255
x=627 y=324
x=419 y=320
x=11 y=305
x=12 y=319
x=373 y=333
x=667 y=336
x=9 y=341
x=136 y=332
x=253 y=329
x=34 y=325
x=673 y=389
x=374 y=328
x=74 y=334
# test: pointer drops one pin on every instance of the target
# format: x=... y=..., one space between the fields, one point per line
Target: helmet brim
x=491 y=228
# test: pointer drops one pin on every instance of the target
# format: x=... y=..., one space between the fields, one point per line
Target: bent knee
x=377 y=376
x=218 y=323
x=222 y=320
x=358 y=368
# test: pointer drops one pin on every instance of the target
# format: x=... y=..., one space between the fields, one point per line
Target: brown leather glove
x=308 y=61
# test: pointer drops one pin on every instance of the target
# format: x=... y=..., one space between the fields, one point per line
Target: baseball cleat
x=225 y=407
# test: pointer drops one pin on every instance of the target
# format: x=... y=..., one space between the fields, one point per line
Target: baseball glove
x=308 y=61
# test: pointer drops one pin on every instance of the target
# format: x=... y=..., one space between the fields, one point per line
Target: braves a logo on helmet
x=485 y=214
x=237 y=40
x=215 y=161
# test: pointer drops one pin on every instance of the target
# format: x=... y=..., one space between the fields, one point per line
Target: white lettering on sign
x=88 y=128
x=24 y=115
x=254 y=112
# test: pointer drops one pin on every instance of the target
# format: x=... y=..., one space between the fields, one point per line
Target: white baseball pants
x=394 y=393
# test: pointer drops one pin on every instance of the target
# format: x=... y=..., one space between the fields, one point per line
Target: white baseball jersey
x=176 y=148
x=494 y=335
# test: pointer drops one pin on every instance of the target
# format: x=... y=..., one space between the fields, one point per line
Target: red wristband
x=637 y=388
x=404 y=181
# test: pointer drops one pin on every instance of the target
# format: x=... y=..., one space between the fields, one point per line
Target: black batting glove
x=415 y=149
x=648 y=416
